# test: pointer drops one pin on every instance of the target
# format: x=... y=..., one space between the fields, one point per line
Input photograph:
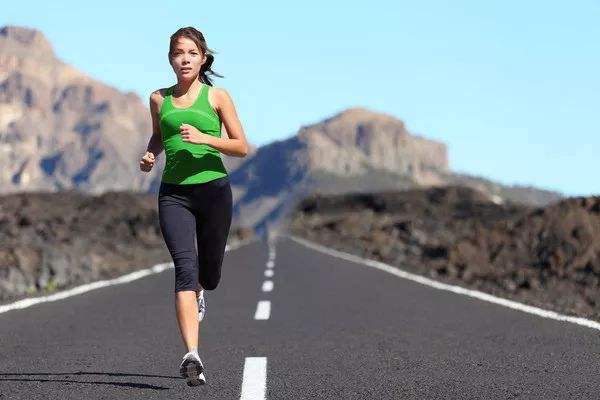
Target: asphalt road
x=335 y=329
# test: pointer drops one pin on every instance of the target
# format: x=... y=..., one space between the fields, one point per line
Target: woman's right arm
x=155 y=145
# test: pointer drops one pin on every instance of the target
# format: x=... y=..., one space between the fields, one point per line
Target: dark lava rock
x=51 y=241
x=548 y=257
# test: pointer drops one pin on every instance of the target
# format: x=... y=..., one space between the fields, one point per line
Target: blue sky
x=512 y=87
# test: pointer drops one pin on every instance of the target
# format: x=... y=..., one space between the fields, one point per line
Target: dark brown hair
x=198 y=38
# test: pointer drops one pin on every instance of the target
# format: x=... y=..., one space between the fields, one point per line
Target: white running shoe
x=201 y=305
x=192 y=369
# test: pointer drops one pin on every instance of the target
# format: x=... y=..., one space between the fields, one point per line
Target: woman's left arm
x=236 y=144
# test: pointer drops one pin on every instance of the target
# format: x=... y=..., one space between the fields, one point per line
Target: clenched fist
x=147 y=161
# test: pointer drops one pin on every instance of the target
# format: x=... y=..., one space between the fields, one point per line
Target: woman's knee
x=210 y=282
x=186 y=277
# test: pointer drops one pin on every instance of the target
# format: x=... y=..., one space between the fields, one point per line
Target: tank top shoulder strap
x=166 y=100
x=203 y=102
x=204 y=93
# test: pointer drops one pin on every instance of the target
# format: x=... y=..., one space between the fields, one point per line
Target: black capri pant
x=195 y=221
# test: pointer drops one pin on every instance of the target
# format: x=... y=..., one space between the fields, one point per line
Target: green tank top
x=188 y=163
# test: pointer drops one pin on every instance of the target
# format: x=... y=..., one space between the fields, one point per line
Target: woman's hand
x=147 y=161
x=190 y=134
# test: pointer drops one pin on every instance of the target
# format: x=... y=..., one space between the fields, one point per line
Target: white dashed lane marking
x=254 y=383
x=263 y=310
x=267 y=286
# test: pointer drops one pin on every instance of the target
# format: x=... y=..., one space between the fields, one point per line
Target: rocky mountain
x=356 y=150
x=61 y=129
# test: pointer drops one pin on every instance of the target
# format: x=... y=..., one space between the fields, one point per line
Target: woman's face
x=186 y=59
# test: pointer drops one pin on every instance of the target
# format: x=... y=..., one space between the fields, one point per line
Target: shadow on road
x=126 y=384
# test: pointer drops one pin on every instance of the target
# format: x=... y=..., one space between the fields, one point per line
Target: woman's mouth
x=185 y=69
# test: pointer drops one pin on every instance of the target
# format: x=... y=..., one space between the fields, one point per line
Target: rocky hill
x=356 y=150
x=546 y=256
x=53 y=241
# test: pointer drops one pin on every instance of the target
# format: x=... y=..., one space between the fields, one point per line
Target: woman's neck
x=184 y=87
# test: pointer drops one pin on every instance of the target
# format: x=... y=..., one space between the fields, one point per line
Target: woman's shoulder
x=217 y=89
x=219 y=94
x=160 y=93
x=215 y=96
x=157 y=97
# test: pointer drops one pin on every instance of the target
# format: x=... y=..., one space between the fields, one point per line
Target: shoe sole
x=190 y=370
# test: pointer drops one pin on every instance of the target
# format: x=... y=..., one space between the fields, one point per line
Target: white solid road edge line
x=444 y=286
x=24 y=303
x=254 y=381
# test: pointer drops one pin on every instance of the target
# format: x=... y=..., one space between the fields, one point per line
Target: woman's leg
x=186 y=308
x=178 y=226
x=212 y=230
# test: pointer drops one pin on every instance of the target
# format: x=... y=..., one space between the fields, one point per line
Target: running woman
x=194 y=199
